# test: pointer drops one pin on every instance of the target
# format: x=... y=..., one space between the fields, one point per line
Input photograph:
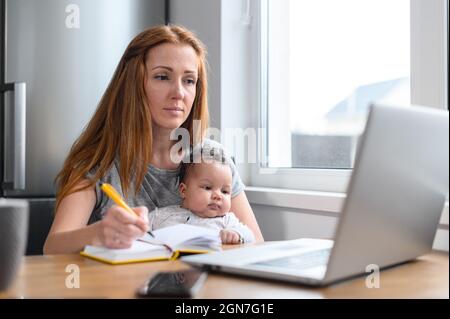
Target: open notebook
x=167 y=243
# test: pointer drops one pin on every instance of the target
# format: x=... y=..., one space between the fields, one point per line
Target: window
x=327 y=61
x=322 y=63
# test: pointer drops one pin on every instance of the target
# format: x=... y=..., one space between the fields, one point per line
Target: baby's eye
x=206 y=187
x=225 y=192
x=161 y=77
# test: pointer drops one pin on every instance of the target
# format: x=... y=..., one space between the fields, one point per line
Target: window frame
x=423 y=92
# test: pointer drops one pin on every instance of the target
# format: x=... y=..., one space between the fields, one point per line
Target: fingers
x=115 y=240
x=142 y=211
x=229 y=237
x=120 y=228
x=143 y=222
x=127 y=230
x=124 y=217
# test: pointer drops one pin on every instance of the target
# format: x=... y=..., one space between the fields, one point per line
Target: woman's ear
x=182 y=188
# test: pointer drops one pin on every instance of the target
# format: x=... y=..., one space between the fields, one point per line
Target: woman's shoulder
x=111 y=173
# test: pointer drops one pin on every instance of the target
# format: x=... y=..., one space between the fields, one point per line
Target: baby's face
x=207 y=191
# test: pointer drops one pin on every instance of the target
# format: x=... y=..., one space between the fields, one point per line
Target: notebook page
x=136 y=247
x=178 y=235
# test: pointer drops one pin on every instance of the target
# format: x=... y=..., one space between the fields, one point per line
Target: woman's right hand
x=118 y=228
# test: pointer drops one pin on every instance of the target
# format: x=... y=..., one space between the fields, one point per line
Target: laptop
x=394 y=203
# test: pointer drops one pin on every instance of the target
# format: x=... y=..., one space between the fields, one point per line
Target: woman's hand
x=118 y=228
x=229 y=237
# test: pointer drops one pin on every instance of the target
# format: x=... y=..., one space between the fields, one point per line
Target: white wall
x=219 y=25
x=203 y=17
x=279 y=223
x=429 y=52
x=237 y=103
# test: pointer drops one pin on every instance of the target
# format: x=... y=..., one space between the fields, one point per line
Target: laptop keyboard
x=302 y=261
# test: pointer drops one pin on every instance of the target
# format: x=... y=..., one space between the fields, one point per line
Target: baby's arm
x=235 y=232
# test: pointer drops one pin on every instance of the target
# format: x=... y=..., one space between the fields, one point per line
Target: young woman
x=159 y=85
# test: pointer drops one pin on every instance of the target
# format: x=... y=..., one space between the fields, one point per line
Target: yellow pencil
x=115 y=196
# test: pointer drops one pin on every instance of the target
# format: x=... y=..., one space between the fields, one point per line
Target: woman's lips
x=173 y=110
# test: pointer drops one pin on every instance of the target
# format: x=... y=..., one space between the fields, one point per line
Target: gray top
x=175 y=214
x=159 y=187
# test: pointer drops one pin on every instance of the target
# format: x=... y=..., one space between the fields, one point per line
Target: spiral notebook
x=166 y=244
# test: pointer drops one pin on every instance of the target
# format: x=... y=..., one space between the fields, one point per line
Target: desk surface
x=45 y=277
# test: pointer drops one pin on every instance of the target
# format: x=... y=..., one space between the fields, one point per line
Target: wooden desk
x=45 y=276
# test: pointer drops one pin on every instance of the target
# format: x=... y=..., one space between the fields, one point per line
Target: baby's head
x=205 y=185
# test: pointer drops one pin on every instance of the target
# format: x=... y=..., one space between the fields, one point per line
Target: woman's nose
x=178 y=90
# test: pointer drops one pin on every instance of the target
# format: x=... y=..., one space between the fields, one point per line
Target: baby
x=205 y=187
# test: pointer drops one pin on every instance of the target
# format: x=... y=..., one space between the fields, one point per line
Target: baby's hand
x=229 y=237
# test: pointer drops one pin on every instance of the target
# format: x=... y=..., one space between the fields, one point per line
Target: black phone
x=181 y=284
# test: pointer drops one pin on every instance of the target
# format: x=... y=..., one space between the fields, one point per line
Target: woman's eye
x=190 y=81
x=161 y=77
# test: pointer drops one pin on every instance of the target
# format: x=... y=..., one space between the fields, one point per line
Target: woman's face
x=170 y=84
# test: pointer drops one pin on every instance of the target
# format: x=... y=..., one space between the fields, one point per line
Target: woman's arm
x=70 y=233
x=241 y=208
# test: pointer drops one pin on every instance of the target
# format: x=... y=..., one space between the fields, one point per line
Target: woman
x=159 y=85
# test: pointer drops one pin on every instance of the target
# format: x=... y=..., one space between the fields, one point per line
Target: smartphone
x=181 y=284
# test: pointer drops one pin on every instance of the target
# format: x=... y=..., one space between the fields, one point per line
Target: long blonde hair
x=122 y=124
